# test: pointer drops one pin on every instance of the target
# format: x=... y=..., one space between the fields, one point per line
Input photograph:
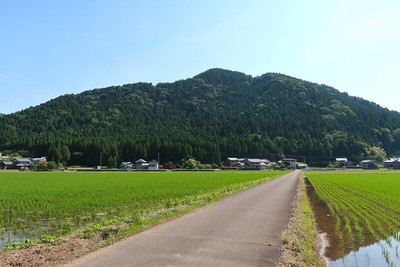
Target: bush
x=51 y=165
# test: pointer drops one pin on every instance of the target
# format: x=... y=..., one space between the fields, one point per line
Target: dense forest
x=216 y=114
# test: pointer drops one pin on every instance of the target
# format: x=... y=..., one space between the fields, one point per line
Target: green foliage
x=51 y=239
x=365 y=204
x=192 y=164
x=375 y=153
x=51 y=165
x=50 y=204
x=209 y=117
x=20 y=244
x=300 y=246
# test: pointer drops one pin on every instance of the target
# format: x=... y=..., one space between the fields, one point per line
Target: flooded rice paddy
x=382 y=253
x=350 y=249
x=37 y=206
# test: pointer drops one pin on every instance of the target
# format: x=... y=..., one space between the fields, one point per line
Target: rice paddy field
x=360 y=212
x=43 y=205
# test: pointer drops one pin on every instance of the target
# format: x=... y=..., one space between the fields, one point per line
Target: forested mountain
x=213 y=115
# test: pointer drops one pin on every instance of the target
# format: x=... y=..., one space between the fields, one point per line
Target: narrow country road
x=242 y=230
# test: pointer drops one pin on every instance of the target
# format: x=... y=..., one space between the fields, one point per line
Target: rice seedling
x=365 y=205
x=34 y=204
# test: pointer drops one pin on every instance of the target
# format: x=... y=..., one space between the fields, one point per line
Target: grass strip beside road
x=300 y=239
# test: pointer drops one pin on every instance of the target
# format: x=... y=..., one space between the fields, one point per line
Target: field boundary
x=302 y=245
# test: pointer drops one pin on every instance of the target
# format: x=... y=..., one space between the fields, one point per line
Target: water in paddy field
x=347 y=252
x=383 y=253
x=7 y=237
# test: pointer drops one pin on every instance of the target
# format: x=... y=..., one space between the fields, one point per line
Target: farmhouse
x=153 y=165
x=126 y=166
x=233 y=162
x=341 y=160
x=4 y=165
x=39 y=160
x=19 y=163
x=22 y=163
x=368 y=165
x=302 y=166
x=141 y=164
x=289 y=163
x=392 y=163
x=252 y=164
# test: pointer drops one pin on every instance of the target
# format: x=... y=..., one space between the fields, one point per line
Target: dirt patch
x=63 y=251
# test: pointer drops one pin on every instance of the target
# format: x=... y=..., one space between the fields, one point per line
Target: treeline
x=216 y=114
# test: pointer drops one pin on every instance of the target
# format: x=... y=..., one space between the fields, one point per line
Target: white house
x=140 y=164
x=126 y=165
x=153 y=165
x=39 y=160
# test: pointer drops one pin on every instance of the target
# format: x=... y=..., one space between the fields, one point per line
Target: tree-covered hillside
x=213 y=115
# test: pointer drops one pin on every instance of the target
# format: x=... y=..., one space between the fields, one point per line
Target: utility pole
x=101 y=155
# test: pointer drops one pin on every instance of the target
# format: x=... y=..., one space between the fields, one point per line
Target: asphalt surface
x=242 y=230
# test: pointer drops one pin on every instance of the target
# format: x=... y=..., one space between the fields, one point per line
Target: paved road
x=242 y=230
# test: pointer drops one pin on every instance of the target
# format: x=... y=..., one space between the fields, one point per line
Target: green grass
x=363 y=203
x=300 y=239
x=34 y=204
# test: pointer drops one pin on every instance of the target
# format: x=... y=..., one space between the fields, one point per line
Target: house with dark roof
x=369 y=165
x=289 y=163
x=22 y=163
x=392 y=163
x=233 y=162
x=6 y=165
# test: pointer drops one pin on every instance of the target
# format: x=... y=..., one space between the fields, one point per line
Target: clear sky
x=51 y=48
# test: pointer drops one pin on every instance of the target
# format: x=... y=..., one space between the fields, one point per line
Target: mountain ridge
x=215 y=114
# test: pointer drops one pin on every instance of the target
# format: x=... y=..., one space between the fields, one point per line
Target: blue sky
x=51 y=48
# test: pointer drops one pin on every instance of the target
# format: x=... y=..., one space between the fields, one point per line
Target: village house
x=341 y=160
x=392 y=163
x=289 y=163
x=302 y=166
x=141 y=164
x=368 y=165
x=233 y=162
x=19 y=163
x=252 y=164
x=344 y=162
x=4 y=165
x=153 y=165
x=39 y=160
x=126 y=166
x=22 y=163
x=265 y=161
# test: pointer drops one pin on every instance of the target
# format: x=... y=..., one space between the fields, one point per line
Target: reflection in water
x=347 y=251
x=383 y=253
